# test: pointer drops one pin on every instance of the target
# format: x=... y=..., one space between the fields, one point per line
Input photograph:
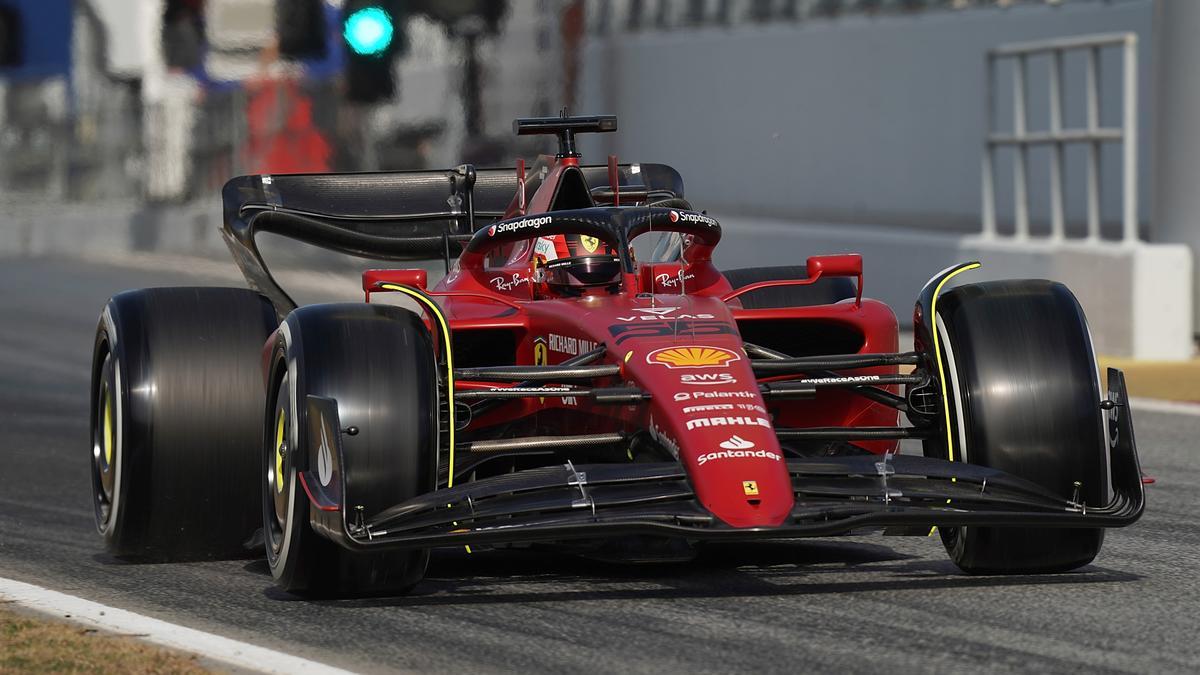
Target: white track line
x=1160 y=406
x=110 y=619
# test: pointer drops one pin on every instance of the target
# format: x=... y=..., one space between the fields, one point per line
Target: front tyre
x=377 y=363
x=1024 y=398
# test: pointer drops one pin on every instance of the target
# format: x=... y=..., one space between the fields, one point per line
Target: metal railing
x=1021 y=139
x=633 y=16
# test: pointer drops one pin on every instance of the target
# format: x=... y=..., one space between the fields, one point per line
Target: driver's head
x=568 y=264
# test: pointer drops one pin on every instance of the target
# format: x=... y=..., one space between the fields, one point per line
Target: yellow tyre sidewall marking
x=937 y=352
x=436 y=311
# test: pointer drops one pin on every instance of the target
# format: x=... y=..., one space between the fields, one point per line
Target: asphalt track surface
x=858 y=604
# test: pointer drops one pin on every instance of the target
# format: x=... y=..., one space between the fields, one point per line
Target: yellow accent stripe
x=937 y=351
x=445 y=330
x=109 y=443
x=281 y=418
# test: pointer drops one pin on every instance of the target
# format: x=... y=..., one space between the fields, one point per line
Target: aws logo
x=692 y=357
x=707 y=378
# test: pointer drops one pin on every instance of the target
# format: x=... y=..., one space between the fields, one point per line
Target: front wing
x=834 y=495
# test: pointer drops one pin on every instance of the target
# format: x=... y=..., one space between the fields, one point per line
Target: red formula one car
x=585 y=376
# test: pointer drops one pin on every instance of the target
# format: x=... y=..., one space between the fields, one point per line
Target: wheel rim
x=105 y=451
x=278 y=469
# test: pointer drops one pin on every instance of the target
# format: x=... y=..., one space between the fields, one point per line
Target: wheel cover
x=104 y=445
x=277 y=471
x=281 y=417
x=106 y=401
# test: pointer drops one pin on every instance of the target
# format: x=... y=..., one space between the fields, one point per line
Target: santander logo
x=737 y=443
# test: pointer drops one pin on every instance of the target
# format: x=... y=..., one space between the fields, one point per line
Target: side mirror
x=842 y=265
x=372 y=278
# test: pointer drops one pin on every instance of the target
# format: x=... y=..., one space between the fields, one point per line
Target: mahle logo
x=692 y=357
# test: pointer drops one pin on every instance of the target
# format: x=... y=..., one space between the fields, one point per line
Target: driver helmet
x=570 y=263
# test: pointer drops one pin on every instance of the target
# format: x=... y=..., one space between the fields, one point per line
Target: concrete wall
x=1135 y=296
x=860 y=119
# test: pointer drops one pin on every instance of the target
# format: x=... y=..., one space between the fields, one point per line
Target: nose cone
x=706 y=409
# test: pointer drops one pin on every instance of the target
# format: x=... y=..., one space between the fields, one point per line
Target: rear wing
x=400 y=215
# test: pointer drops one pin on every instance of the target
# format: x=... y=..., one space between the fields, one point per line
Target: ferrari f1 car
x=567 y=385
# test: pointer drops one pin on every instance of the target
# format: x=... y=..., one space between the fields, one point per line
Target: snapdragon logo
x=687 y=217
x=517 y=225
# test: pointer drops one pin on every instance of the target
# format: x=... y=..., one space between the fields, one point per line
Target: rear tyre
x=177 y=395
x=825 y=291
x=1025 y=399
x=377 y=362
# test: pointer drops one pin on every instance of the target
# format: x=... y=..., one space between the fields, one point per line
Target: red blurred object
x=282 y=135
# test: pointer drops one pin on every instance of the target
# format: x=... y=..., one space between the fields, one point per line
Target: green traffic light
x=368 y=31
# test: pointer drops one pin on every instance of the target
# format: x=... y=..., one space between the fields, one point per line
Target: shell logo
x=692 y=357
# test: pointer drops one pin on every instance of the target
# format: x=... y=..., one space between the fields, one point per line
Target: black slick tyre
x=825 y=291
x=176 y=403
x=377 y=363
x=1025 y=399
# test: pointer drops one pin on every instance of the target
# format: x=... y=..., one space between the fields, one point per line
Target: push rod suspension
x=833 y=362
x=609 y=395
x=865 y=390
x=535 y=373
x=851 y=433
x=543 y=442
x=809 y=386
